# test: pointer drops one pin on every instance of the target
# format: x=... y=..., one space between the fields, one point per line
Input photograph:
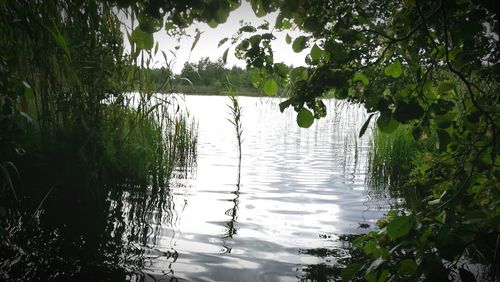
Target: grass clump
x=390 y=161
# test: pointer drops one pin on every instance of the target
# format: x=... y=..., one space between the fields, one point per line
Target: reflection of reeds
x=390 y=162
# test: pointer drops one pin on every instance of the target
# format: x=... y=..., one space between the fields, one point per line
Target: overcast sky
x=207 y=45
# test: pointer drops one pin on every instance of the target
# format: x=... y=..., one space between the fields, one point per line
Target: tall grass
x=84 y=125
x=390 y=159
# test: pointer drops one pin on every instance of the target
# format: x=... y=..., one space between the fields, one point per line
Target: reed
x=390 y=160
x=69 y=76
x=235 y=112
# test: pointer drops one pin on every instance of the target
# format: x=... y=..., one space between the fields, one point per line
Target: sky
x=207 y=45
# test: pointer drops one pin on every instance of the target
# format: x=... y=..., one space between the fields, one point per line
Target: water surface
x=300 y=191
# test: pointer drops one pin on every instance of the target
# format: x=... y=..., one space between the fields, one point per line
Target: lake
x=301 y=192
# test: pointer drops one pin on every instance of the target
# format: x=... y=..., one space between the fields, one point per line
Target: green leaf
x=407 y=267
x=370 y=247
x=143 y=40
x=445 y=87
x=405 y=112
x=299 y=44
x=288 y=39
x=258 y=8
x=222 y=14
x=256 y=80
x=157 y=45
x=350 y=271
x=149 y=24
x=443 y=139
x=383 y=276
x=248 y=28
x=365 y=126
x=386 y=124
x=285 y=104
x=196 y=39
x=305 y=118
x=224 y=56
x=338 y=52
x=270 y=87
x=446 y=120
x=169 y=26
x=287 y=24
x=264 y=26
x=399 y=227
x=299 y=73
x=360 y=77
x=281 y=69
x=222 y=41
x=28 y=91
x=453 y=54
x=340 y=93
x=213 y=23
x=316 y=52
x=393 y=69
x=371 y=276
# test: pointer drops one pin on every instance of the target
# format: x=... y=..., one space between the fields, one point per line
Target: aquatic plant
x=390 y=161
x=235 y=111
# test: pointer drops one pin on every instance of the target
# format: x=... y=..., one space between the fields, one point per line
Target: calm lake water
x=301 y=191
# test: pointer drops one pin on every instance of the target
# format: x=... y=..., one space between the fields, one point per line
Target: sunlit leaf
x=270 y=87
x=288 y=39
x=256 y=79
x=360 y=77
x=393 y=69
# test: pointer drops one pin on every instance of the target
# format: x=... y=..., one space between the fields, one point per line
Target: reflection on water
x=300 y=190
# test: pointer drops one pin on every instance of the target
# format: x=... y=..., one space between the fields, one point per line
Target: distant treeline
x=203 y=77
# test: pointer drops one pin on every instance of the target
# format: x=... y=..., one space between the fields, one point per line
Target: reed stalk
x=235 y=111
